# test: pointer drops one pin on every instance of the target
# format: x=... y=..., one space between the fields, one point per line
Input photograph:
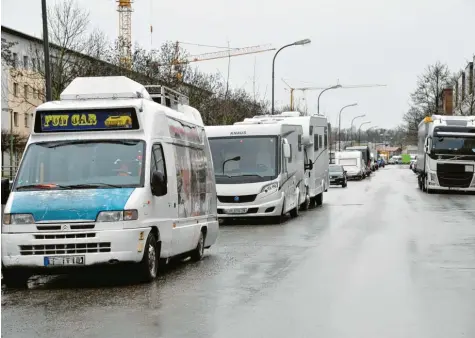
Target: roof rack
x=167 y=96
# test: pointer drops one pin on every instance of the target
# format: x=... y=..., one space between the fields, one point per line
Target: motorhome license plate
x=64 y=260
x=236 y=211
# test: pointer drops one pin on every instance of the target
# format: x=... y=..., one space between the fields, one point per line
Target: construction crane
x=125 y=32
x=231 y=52
x=292 y=89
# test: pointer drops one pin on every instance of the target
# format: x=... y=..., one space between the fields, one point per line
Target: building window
x=25 y=91
x=26 y=120
x=15 y=89
x=33 y=63
x=15 y=119
x=25 y=62
x=14 y=59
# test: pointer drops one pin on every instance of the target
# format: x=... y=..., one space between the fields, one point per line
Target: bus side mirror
x=309 y=165
x=286 y=150
x=5 y=190
x=159 y=184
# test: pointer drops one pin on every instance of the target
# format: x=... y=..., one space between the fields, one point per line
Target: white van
x=259 y=169
x=316 y=152
x=352 y=161
x=110 y=176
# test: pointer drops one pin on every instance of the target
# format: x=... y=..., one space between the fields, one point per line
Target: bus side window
x=158 y=160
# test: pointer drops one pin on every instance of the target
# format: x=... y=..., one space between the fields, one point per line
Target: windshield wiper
x=41 y=186
x=92 y=185
x=249 y=175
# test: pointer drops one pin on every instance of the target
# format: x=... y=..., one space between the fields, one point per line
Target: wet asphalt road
x=379 y=259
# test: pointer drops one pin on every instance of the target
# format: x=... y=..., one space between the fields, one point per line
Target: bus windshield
x=244 y=160
x=82 y=165
x=454 y=145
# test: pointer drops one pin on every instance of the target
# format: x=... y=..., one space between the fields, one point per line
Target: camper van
x=258 y=168
x=352 y=161
x=316 y=152
x=366 y=156
x=112 y=173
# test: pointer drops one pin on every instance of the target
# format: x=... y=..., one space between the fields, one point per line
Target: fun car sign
x=61 y=121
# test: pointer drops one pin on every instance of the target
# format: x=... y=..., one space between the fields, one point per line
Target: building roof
x=390 y=149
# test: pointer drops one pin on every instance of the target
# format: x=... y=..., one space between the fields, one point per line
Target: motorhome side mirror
x=5 y=190
x=159 y=184
x=309 y=166
x=286 y=150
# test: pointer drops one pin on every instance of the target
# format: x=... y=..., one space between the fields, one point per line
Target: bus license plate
x=236 y=211
x=64 y=260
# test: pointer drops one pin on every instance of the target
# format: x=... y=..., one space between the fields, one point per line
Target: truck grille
x=241 y=199
x=58 y=249
x=453 y=175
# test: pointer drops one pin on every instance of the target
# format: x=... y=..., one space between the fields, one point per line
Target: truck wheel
x=15 y=278
x=199 y=251
x=319 y=199
x=148 y=267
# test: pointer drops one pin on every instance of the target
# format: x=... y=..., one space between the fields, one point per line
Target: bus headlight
x=270 y=188
x=18 y=219
x=116 y=216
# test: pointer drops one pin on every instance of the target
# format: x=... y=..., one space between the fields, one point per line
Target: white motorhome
x=110 y=175
x=352 y=161
x=446 y=153
x=258 y=168
x=316 y=152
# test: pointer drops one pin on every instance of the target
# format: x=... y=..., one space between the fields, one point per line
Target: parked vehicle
x=259 y=169
x=446 y=156
x=365 y=153
x=352 y=162
x=316 y=152
x=338 y=175
x=89 y=192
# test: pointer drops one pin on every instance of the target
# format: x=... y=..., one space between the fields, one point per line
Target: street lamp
x=339 y=124
x=351 y=129
x=323 y=91
x=359 y=131
x=296 y=43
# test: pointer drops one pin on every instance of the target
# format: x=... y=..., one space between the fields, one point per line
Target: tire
x=419 y=182
x=306 y=204
x=199 y=251
x=15 y=279
x=345 y=184
x=319 y=199
x=313 y=203
x=148 y=267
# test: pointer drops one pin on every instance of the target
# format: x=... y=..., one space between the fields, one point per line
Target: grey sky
x=353 y=41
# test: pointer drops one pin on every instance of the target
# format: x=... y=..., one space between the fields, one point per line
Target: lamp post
x=323 y=91
x=339 y=124
x=351 y=128
x=296 y=43
x=359 y=131
x=46 y=52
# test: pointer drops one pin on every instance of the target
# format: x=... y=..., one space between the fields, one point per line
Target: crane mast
x=125 y=32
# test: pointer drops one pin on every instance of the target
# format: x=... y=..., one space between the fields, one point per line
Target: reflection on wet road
x=380 y=259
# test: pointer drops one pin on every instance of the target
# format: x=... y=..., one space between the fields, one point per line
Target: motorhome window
x=325 y=138
x=320 y=141
x=315 y=142
x=290 y=158
x=82 y=164
x=86 y=120
x=454 y=145
x=300 y=142
x=158 y=160
x=244 y=159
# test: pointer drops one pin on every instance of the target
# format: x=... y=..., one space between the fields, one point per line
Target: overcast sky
x=353 y=41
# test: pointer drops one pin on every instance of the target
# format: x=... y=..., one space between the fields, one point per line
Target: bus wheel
x=199 y=251
x=149 y=263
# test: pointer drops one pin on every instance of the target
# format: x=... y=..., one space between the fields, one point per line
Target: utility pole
x=49 y=96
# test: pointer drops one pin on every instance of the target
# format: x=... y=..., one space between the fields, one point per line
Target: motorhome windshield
x=245 y=159
x=82 y=165
x=454 y=145
x=348 y=161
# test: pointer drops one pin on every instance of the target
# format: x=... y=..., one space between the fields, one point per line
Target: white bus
x=258 y=168
x=109 y=175
x=316 y=152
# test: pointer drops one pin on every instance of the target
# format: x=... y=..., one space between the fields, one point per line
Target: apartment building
x=464 y=91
